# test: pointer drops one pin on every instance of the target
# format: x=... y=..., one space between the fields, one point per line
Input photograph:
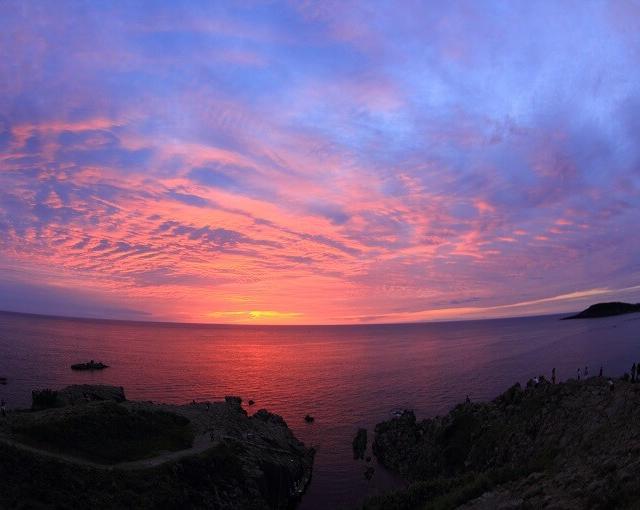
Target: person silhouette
x=578 y=374
x=553 y=375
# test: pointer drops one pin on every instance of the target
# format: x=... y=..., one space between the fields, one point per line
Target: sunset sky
x=318 y=162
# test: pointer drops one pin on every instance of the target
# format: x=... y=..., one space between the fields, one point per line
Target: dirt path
x=201 y=443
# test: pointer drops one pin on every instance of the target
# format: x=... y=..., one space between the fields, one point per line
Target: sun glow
x=248 y=316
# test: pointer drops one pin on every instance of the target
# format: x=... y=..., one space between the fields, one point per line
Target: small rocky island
x=86 y=446
x=564 y=446
x=89 y=365
x=606 y=310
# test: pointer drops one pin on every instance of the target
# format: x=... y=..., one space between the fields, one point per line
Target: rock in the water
x=309 y=419
x=90 y=365
x=360 y=444
x=251 y=402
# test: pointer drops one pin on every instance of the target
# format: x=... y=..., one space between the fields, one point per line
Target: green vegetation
x=107 y=432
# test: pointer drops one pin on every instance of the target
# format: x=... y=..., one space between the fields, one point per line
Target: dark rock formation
x=75 y=394
x=360 y=444
x=606 y=310
x=234 y=401
x=44 y=399
x=91 y=392
x=309 y=419
x=51 y=458
x=570 y=445
x=90 y=365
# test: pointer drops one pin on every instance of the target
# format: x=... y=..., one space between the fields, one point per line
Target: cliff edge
x=88 y=447
x=563 y=446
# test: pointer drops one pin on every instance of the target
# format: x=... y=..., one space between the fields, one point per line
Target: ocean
x=345 y=376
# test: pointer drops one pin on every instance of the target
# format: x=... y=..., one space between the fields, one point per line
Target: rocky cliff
x=92 y=449
x=565 y=446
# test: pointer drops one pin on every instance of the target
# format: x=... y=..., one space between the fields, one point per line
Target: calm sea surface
x=345 y=376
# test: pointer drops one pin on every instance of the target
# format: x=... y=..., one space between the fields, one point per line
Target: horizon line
x=344 y=324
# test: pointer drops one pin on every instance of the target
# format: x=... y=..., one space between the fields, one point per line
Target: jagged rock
x=90 y=392
x=360 y=444
x=267 y=417
x=309 y=419
x=234 y=401
x=76 y=394
x=563 y=446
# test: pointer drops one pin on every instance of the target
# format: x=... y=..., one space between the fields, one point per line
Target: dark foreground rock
x=606 y=310
x=113 y=453
x=565 y=446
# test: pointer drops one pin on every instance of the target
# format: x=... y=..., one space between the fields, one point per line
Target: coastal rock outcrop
x=114 y=453
x=360 y=444
x=569 y=445
x=76 y=393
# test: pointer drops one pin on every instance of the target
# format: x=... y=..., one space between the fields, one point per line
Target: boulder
x=360 y=444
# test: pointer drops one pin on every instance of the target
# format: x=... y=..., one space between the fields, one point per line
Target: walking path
x=201 y=443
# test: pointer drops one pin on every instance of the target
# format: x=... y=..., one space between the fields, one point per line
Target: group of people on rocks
x=635 y=376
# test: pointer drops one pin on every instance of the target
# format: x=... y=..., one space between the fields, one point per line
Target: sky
x=318 y=162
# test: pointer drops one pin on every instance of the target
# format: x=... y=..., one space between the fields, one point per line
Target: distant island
x=606 y=310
